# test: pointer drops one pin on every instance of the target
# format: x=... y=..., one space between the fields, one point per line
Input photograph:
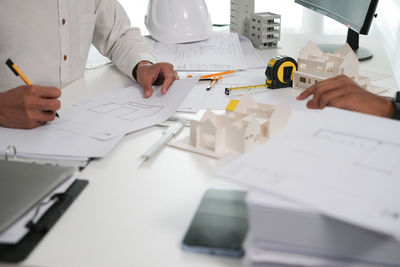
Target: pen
x=212 y=79
x=207 y=79
x=168 y=134
x=14 y=68
x=212 y=84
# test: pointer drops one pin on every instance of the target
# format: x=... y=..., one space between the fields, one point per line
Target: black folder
x=18 y=252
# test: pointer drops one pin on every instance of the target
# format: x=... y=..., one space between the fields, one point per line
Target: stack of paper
x=301 y=235
x=341 y=170
x=222 y=51
x=91 y=129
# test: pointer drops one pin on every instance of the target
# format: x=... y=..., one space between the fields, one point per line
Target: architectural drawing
x=122 y=111
x=265 y=30
x=354 y=173
x=129 y=111
x=315 y=66
x=245 y=125
x=222 y=51
x=369 y=150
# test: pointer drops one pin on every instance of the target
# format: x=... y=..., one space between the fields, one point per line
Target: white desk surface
x=138 y=217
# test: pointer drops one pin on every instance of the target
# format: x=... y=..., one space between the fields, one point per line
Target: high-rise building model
x=263 y=29
x=241 y=11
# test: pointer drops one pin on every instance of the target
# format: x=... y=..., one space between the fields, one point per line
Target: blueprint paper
x=251 y=58
x=63 y=139
x=47 y=142
x=344 y=164
x=122 y=111
x=199 y=98
x=222 y=51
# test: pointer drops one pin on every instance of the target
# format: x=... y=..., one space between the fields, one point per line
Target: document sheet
x=93 y=128
x=222 y=51
x=123 y=111
x=200 y=98
x=344 y=164
x=266 y=258
x=52 y=143
x=251 y=58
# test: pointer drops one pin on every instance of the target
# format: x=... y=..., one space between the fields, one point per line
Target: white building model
x=241 y=11
x=315 y=66
x=247 y=125
x=263 y=29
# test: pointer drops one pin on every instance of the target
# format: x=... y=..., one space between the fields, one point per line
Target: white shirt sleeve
x=115 y=38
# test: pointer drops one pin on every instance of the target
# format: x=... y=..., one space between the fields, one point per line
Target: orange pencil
x=214 y=74
x=217 y=74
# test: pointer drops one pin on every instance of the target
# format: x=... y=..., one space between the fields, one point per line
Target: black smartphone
x=220 y=224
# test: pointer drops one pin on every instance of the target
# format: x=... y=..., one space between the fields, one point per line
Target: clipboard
x=11 y=154
x=18 y=252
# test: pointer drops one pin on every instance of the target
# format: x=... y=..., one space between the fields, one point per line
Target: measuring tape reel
x=280 y=71
x=279 y=74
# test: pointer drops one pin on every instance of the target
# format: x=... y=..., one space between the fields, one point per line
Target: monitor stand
x=353 y=41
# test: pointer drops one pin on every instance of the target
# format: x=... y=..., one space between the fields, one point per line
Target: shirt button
x=63 y=22
x=65 y=57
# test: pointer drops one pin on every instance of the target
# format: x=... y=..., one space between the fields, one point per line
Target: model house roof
x=346 y=50
x=343 y=61
x=312 y=52
x=246 y=102
x=217 y=120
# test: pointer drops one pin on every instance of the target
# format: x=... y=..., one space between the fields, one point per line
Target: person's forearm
x=115 y=38
x=390 y=108
x=1 y=109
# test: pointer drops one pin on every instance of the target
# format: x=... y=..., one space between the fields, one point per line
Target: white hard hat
x=178 y=21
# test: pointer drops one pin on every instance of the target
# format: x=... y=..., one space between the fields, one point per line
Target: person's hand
x=148 y=74
x=342 y=92
x=28 y=106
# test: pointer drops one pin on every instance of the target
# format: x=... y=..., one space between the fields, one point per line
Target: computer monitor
x=357 y=15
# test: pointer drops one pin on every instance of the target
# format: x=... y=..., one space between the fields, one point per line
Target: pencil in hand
x=17 y=71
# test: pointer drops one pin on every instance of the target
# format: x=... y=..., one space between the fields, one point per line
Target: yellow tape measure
x=240 y=89
x=279 y=74
x=280 y=71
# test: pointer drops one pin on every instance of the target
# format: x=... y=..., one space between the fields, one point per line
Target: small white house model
x=315 y=66
x=265 y=30
x=246 y=126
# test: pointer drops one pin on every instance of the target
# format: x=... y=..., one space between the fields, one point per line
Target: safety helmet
x=178 y=21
